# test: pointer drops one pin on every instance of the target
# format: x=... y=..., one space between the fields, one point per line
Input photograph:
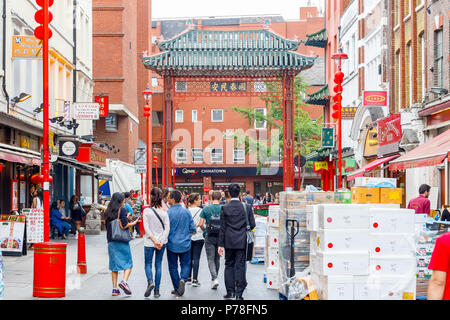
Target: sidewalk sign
x=35 y=225
x=12 y=230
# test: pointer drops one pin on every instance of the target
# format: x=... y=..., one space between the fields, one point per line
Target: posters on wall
x=35 y=225
x=12 y=230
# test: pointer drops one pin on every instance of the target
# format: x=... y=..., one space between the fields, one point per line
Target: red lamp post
x=147 y=113
x=43 y=32
x=337 y=107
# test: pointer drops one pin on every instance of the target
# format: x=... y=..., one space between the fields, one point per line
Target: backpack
x=213 y=226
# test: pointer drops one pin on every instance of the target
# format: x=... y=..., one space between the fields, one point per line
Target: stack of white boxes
x=272 y=260
x=361 y=251
x=260 y=239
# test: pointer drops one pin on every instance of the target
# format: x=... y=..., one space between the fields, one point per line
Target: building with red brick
x=196 y=117
x=121 y=32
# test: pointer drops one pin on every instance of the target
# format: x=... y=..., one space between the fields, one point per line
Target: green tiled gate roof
x=319 y=97
x=230 y=51
x=317 y=39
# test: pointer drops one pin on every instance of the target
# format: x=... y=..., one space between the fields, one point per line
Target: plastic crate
x=263 y=209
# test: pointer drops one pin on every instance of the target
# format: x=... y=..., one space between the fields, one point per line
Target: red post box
x=49 y=275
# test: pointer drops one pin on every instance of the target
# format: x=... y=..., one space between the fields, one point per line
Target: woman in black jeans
x=197 y=240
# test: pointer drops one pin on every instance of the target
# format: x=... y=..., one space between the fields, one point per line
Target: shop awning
x=19 y=157
x=360 y=172
x=75 y=164
x=428 y=154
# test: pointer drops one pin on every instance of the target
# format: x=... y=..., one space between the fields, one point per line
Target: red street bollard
x=49 y=274
x=81 y=262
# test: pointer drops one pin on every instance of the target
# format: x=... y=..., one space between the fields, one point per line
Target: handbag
x=118 y=233
x=250 y=237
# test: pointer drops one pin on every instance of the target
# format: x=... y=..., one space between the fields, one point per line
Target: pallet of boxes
x=271 y=259
x=364 y=250
x=293 y=209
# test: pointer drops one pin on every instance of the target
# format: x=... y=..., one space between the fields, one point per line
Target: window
x=157 y=118
x=239 y=155
x=197 y=155
x=422 y=64
x=407 y=7
x=408 y=75
x=179 y=116
x=180 y=155
x=153 y=39
x=399 y=82
x=217 y=155
x=194 y=115
x=438 y=59
x=260 y=124
x=111 y=123
x=154 y=82
x=217 y=115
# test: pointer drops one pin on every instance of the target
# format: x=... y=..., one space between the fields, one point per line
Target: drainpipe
x=4 y=57
x=74 y=58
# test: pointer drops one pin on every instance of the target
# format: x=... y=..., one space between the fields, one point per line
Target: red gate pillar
x=289 y=128
x=167 y=132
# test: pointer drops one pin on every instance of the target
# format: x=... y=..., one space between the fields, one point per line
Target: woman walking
x=76 y=211
x=197 y=240
x=119 y=252
x=157 y=228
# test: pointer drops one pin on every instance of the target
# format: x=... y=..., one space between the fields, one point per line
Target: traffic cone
x=81 y=263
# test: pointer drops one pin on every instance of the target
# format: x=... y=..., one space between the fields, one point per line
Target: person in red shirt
x=421 y=204
x=439 y=287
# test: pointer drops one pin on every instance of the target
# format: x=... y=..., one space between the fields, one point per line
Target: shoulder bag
x=159 y=218
x=118 y=233
x=250 y=236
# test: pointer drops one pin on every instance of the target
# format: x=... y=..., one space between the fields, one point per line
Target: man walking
x=210 y=224
x=248 y=199
x=233 y=238
x=179 y=242
x=421 y=204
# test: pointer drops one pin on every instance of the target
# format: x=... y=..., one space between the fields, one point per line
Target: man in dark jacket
x=233 y=238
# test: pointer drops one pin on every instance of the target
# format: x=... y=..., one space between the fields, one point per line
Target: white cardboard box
x=272 y=278
x=392 y=244
x=376 y=182
x=393 y=265
x=334 y=287
x=312 y=218
x=273 y=237
x=384 y=288
x=330 y=240
x=343 y=216
x=273 y=258
x=312 y=243
x=274 y=216
x=392 y=220
x=342 y=263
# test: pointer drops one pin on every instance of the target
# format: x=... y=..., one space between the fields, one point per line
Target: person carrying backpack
x=210 y=224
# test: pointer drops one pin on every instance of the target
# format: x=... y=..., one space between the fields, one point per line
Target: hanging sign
x=14 y=195
x=320 y=165
x=103 y=101
x=375 y=99
x=12 y=229
x=35 y=225
x=327 y=137
x=390 y=129
x=86 y=111
x=68 y=148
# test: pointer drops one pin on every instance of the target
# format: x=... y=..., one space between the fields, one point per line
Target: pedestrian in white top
x=157 y=228
x=197 y=240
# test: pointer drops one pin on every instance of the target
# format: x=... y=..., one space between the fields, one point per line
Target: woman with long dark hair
x=197 y=240
x=157 y=228
x=76 y=211
x=165 y=199
x=119 y=252
x=38 y=199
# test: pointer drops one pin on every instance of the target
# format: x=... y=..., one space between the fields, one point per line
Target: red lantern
x=35 y=178
x=41 y=178
x=1 y=168
x=339 y=77
x=50 y=179
x=39 y=17
x=147 y=114
x=337 y=88
x=22 y=177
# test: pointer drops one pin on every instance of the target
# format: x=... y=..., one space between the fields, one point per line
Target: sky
x=289 y=9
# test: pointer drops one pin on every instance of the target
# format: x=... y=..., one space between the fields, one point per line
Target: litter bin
x=49 y=276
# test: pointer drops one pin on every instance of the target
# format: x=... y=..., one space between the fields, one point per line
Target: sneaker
x=195 y=283
x=239 y=298
x=214 y=284
x=189 y=282
x=156 y=294
x=124 y=286
x=180 y=290
x=65 y=237
x=229 y=296
x=115 y=292
x=174 y=292
x=150 y=287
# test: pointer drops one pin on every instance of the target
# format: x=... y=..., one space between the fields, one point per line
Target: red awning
x=360 y=172
x=12 y=156
x=428 y=154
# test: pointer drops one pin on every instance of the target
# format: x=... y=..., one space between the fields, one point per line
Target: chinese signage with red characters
x=103 y=101
x=375 y=99
x=88 y=153
x=389 y=130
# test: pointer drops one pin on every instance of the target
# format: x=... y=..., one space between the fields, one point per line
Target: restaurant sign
x=389 y=134
x=88 y=153
x=375 y=99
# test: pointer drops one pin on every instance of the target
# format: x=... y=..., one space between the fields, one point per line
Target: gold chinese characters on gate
x=228 y=86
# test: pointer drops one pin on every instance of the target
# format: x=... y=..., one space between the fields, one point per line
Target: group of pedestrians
x=177 y=225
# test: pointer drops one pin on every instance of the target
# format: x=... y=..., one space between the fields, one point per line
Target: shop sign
x=12 y=229
x=320 y=165
x=348 y=112
x=86 y=111
x=157 y=150
x=14 y=195
x=87 y=153
x=389 y=130
x=375 y=99
x=103 y=102
x=348 y=165
x=68 y=148
x=26 y=47
x=228 y=172
x=228 y=86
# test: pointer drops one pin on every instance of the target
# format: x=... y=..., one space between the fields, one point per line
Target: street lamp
x=337 y=107
x=147 y=113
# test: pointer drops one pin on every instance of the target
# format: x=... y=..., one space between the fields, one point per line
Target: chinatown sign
x=88 y=153
x=389 y=134
x=375 y=99
x=228 y=172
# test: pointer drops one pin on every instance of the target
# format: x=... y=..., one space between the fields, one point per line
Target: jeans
x=149 y=251
x=213 y=258
x=235 y=269
x=185 y=263
x=196 y=252
x=66 y=227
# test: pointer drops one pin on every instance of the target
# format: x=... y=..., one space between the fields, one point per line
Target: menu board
x=11 y=233
x=35 y=225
